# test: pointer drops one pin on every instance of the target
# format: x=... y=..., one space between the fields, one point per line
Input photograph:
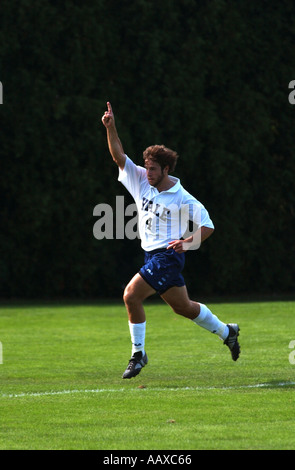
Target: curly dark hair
x=161 y=155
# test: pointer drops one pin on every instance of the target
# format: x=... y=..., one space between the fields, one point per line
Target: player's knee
x=178 y=309
x=184 y=310
x=129 y=296
x=125 y=296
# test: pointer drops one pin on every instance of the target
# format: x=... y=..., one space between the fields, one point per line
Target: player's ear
x=166 y=170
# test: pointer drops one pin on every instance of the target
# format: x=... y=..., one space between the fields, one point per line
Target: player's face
x=154 y=173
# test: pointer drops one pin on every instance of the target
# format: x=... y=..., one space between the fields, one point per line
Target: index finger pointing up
x=109 y=107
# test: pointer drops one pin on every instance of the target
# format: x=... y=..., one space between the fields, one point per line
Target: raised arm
x=114 y=143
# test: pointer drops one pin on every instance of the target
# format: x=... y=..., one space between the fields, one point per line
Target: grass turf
x=61 y=385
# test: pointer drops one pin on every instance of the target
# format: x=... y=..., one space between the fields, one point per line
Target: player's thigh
x=137 y=289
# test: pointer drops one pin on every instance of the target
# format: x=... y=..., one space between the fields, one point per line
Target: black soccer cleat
x=136 y=363
x=232 y=340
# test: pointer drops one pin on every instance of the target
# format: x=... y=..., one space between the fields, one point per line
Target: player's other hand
x=176 y=245
x=108 y=119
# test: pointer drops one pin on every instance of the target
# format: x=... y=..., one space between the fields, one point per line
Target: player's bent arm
x=206 y=232
x=200 y=235
x=193 y=242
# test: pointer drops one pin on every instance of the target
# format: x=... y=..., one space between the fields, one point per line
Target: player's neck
x=165 y=184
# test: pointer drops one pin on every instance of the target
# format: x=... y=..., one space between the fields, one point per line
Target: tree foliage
x=208 y=79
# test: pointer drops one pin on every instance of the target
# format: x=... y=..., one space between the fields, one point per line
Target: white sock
x=210 y=322
x=137 y=333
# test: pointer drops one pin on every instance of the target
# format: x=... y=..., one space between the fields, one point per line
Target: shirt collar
x=173 y=189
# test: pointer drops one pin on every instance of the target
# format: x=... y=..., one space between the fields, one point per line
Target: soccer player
x=164 y=210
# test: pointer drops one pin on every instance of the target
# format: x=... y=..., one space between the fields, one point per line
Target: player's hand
x=176 y=245
x=108 y=119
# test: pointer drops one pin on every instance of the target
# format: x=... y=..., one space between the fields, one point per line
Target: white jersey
x=162 y=216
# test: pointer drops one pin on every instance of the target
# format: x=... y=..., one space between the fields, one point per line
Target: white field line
x=147 y=389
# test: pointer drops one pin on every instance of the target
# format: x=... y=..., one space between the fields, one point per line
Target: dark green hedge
x=206 y=78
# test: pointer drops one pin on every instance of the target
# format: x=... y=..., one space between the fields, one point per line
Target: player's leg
x=179 y=301
x=135 y=293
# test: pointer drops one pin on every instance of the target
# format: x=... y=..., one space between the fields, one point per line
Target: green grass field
x=61 y=385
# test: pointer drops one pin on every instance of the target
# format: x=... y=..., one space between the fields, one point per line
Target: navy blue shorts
x=162 y=269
